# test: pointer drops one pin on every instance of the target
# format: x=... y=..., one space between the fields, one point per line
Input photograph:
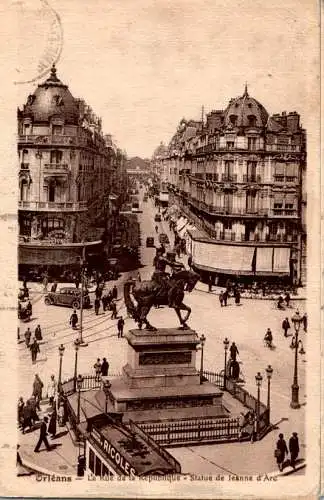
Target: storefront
x=112 y=448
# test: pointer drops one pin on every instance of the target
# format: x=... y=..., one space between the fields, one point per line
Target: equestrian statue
x=163 y=289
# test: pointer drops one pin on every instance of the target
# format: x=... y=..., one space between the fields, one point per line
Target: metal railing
x=56 y=166
x=53 y=205
x=198 y=430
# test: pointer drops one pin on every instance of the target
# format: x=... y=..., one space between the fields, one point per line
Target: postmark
x=40 y=40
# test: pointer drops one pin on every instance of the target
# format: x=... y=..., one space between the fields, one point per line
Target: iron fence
x=193 y=430
x=89 y=382
x=214 y=378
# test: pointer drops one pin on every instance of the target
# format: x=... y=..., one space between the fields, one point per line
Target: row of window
x=97 y=467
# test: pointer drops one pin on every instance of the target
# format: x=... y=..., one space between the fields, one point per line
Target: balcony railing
x=291 y=212
x=229 y=178
x=53 y=205
x=59 y=140
x=251 y=178
x=283 y=178
x=56 y=166
x=283 y=148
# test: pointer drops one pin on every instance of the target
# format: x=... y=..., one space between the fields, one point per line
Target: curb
x=41 y=470
x=289 y=470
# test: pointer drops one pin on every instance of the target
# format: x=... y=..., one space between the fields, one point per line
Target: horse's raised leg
x=145 y=309
x=183 y=307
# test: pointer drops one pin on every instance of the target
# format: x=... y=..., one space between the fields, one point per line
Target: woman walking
x=280 y=451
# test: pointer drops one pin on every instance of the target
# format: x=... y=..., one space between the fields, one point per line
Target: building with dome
x=66 y=165
x=239 y=178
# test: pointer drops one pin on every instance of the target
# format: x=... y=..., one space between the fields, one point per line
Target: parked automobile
x=150 y=241
x=157 y=218
x=164 y=239
x=70 y=297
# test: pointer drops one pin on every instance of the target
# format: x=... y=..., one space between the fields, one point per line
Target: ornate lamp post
x=106 y=389
x=76 y=345
x=297 y=320
x=269 y=372
x=226 y=343
x=258 y=379
x=202 y=343
x=61 y=350
x=79 y=382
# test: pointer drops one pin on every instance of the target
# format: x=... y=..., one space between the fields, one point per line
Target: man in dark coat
x=104 y=301
x=210 y=283
x=97 y=305
x=104 y=367
x=293 y=448
x=113 y=310
x=38 y=333
x=42 y=436
x=285 y=326
x=34 y=349
x=225 y=297
x=305 y=321
x=120 y=327
x=74 y=319
x=114 y=292
x=27 y=337
x=281 y=451
x=234 y=351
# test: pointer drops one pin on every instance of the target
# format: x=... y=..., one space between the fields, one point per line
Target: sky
x=142 y=65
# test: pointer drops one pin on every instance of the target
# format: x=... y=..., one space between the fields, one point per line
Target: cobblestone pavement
x=245 y=324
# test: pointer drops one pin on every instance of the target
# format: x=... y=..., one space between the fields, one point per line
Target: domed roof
x=52 y=98
x=161 y=150
x=245 y=111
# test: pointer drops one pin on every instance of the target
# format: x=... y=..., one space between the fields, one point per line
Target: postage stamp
x=160 y=305
x=40 y=41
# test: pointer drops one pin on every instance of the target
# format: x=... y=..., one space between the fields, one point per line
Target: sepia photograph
x=165 y=219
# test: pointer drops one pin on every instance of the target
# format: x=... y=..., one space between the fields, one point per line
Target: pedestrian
x=20 y=411
x=97 y=368
x=139 y=278
x=26 y=417
x=98 y=292
x=120 y=326
x=237 y=297
x=113 y=310
x=190 y=261
x=294 y=449
x=241 y=422
x=38 y=333
x=225 y=297
x=37 y=390
x=221 y=299
x=74 y=320
x=52 y=427
x=97 y=305
x=234 y=351
x=27 y=337
x=104 y=301
x=34 y=349
x=280 y=304
x=287 y=299
x=268 y=338
x=305 y=321
x=285 y=326
x=61 y=415
x=104 y=367
x=32 y=404
x=29 y=309
x=210 y=283
x=52 y=390
x=280 y=451
x=114 y=292
x=77 y=281
x=156 y=229
x=42 y=436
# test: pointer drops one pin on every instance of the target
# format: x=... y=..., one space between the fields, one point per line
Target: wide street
x=245 y=324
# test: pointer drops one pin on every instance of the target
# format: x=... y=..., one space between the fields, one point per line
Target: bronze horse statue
x=168 y=291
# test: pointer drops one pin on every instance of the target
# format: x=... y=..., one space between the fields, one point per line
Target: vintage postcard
x=160 y=249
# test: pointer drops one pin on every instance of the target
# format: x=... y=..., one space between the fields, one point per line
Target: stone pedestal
x=160 y=378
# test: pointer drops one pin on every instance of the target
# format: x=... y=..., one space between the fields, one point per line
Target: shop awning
x=264 y=260
x=281 y=260
x=223 y=258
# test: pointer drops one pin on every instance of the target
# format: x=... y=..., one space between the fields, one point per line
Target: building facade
x=66 y=165
x=240 y=178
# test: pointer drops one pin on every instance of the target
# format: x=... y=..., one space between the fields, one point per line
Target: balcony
x=252 y=178
x=285 y=148
x=53 y=206
x=284 y=212
x=285 y=179
x=56 y=168
x=229 y=178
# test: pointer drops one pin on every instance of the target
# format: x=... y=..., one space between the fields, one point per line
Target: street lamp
x=61 y=350
x=258 y=379
x=76 y=345
x=269 y=371
x=297 y=320
x=79 y=382
x=81 y=342
x=226 y=343
x=202 y=343
x=106 y=389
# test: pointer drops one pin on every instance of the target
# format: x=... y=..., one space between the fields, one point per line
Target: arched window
x=24 y=190
x=251 y=120
x=233 y=119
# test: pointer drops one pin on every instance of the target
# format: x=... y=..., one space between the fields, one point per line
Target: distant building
x=65 y=164
x=240 y=179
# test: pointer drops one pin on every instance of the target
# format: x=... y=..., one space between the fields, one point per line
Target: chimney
x=293 y=121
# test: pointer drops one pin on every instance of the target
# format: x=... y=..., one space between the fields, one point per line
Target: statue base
x=160 y=380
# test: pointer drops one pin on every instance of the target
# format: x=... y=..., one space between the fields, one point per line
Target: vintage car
x=157 y=218
x=164 y=239
x=68 y=296
x=150 y=241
